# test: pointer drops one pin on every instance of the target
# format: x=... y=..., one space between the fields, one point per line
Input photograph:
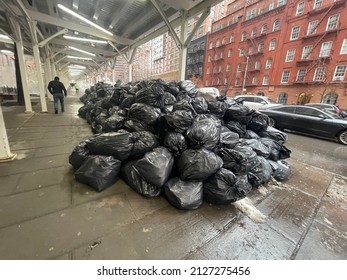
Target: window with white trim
x=266 y=80
x=325 y=49
x=300 y=8
x=230 y=52
x=333 y=22
x=295 y=32
x=340 y=72
x=221 y=54
x=276 y=25
x=260 y=47
x=317 y=4
x=312 y=27
x=209 y=58
x=244 y=36
x=319 y=74
x=232 y=38
x=211 y=45
x=272 y=45
x=206 y=83
x=344 y=47
x=281 y=3
x=306 y=51
x=220 y=68
x=241 y=52
x=255 y=81
x=300 y=77
x=285 y=77
x=251 y=50
x=217 y=43
x=290 y=55
x=271 y=5
x=228 y=67
x=237 y=82
x=268 y=64
x=257 y=65
x=251 y=14
x=254 y=32
x=215 y=56
x=208 y=70
x=239 y=67
x=224 y=41
x=282 y=98
x=264 y=29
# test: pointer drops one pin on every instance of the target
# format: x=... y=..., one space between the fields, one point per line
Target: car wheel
x=342 y=137
x=272 y=122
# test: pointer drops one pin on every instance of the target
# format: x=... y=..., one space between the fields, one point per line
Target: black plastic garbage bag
x=175 y=142
x=132 y=177
x=228 y=138
x=137 y=126
x=185 y=105
x=277 y=150
x=155 y=166
x=273 y=133
x=198 y=164
x=99 y=172
x=281 y=170
x=144 y=142
x=249 y=153
x=236 y=127
x=217 y=107
x=239 y=113
x=169 y=99
x=152 y=95
x=189 y=87
x=257 y=146
x=144 y=113
x=250 y=134
x=243 y=186
x=185 y=195
x=200 y=105
x=260 y=172
x=117 y=144
x=126 y=100
x=179 y=120
x=113 y=123
x=219 y=188
x=79 y=154
x=233 y=160
x=203 y=134
x=258 y=122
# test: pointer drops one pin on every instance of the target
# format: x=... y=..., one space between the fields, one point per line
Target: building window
x=272 y=45
x=312 y=27
x=206 y=83
x=266 y=80
x=211 y=45
x=220 y=69
x=319 y=74
x=271 y=5
x=306 y=52
x=260 y=47
x=325 y=49
x=285 y=77
x=255 y=81
x=217 y=43
x=282 y=98
x=344 y=47
x=228 y=67
x=300 y=77
x=237 y=82
x=230 y=52
x=257 y=65
x=276 y=25
x=244 y=36
x=241 y=52
x=340 y=72
x=232 y=38
x=254 y=32
x=251 y=50
x=224 y=41
x=222 y=55
x=290 y=55
x=295 y=33
x=333 y=22
x=317 y=4
x=300 y=8
x=268 y=64
x=209 y=58
x=208 y=70
x=330 y=98
x=239 y=67
x=251 y=14
x=264 y=29
x=281 y=3
x=215 y=56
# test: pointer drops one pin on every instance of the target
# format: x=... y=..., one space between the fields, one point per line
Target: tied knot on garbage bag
x=168 y=139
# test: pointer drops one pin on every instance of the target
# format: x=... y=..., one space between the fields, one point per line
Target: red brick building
x=291 y=51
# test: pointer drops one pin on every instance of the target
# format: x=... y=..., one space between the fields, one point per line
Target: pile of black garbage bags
x=166 y=139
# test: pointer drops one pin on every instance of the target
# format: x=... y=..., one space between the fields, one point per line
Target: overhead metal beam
x=118 y=51
x=44 y=42
x=77 y=27
x=201 y=19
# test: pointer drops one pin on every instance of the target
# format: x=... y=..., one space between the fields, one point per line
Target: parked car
x=326 y=107
x=307 y=120
x=255 y=101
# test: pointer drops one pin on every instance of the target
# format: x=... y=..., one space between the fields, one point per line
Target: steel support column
x=5 y=152
x=183 y=50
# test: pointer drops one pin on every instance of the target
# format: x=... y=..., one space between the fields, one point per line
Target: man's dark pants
x=60 y=97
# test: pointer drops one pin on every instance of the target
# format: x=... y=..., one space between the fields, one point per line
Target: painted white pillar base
x=9 y=158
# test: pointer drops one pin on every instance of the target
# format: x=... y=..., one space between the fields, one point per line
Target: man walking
x=58 y=90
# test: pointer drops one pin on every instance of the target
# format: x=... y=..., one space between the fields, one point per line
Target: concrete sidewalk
x=46 y=214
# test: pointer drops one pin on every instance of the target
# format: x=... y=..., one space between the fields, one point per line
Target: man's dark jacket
x=56 y=87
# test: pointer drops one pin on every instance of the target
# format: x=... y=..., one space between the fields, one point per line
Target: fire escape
x=323 y=58
x=217 y=65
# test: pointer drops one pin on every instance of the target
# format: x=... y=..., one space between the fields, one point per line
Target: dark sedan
x=307 y=120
